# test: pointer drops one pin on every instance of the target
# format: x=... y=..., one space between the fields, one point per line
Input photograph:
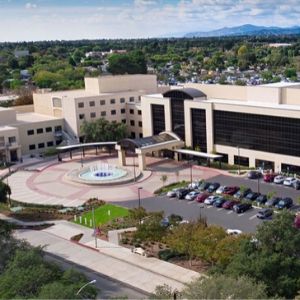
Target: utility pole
x=94 y=226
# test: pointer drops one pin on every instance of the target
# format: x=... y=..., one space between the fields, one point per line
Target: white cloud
x=30 y=5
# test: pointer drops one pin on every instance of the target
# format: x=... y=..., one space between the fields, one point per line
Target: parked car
x=254 y=174
x=230 y=190
x=203 y=186
x=234 y=231
x=191 y=195
x=242 y=207
x=264 y=213
x=284 y=203
x=219 y=202
x=297 y=221
x=139 y=250
x=194 y=185
x=261 y=199
x=269 y=177
x=172 y=193
x=211 y=199
x=273 y=201
x=289 y=181
x=181 y=193
x=279 y=179
x=229 y=204
x=213 y=186
x=251 y=196
x=220 y=189
x=201 y=197
x=242 y=194
x=296 y=185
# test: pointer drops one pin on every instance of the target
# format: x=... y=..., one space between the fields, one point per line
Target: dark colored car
x=203 y=186
x=251 y=196
x=201 y=197
x=219 y=202
x=264 y=213
x=242 y=194
x=230 y=190
x=269 y=177
x=213 y=187
x=254 y=175
x=273 y=201
x=284 y=203
x=242 y=207
x=261 y=199
x=296 y=185
x=181 y=193
x=229 y=204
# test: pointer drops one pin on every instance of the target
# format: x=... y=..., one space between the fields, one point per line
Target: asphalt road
x=191 y=210
x=108 y=287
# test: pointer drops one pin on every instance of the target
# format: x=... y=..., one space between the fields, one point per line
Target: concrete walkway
x=108 y=259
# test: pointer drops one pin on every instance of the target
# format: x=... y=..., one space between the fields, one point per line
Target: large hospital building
x=256 y=126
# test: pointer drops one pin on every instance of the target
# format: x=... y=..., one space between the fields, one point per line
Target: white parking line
x=230 y=212
x=210 y=206
x=239 y=215
x=220 y=209
x=253 y=217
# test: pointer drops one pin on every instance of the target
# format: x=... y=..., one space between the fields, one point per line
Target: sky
x=31 y=20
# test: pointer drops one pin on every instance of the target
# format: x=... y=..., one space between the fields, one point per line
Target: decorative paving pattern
x=50 y=186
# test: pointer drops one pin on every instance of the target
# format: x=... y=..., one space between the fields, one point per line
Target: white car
x=234 y=231
x=193 y=185
x=139 y=250
x=220 y=190
x=172 y=193
x=191 y=196
x=210 y=200
x=289 y=181
x=279 y=179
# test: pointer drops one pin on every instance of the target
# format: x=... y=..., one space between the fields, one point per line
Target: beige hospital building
x=255 y=126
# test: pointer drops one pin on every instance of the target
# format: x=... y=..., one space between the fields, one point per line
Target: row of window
x=132 y=123
x=41 y=145
x=103 y=102
x=134 y=136
x=103 y=113
x=42 y=130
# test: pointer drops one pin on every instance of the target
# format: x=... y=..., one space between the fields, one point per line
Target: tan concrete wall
x=263 y=94
x=43 y=103
x=5 y=145
x=114 y=84
x=231 y=92
x=92 y=85
x=7 y=116
x=291 y=96
x=138 y=130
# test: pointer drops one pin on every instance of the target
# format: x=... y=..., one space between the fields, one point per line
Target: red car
x=269 y=177
x=297 y=221
x=201 y=197
x=230 y=190
x=229 y=204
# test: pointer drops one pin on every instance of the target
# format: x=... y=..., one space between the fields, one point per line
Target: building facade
x=255 y=126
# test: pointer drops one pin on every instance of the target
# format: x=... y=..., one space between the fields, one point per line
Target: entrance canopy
x=198 y=154
x=142 y=146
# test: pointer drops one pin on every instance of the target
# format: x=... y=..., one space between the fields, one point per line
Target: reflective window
x=158 y=118
x=199 y=129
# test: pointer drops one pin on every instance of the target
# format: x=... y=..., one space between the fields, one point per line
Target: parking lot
x=191 y=210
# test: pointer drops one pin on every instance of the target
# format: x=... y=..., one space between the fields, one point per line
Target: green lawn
x=102 y=214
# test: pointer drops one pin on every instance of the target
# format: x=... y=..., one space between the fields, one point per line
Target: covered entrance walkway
x=165 y=141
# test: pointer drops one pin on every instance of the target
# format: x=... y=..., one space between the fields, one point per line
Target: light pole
x=201 y=205
x=134 y=175
x=139 y=196
x=191 y=171
x=258 y=184
x=88 y=283
x=239 y=160
x=81 y=159
x=94 y=226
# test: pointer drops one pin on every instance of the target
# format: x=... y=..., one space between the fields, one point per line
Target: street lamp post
x=191 y=171
x=139 y=196
x=258 y=182
x=134 y=174
x=94 y=227
x=200 y=214
x=88 y=283
x=81 y=159
x=239 y=159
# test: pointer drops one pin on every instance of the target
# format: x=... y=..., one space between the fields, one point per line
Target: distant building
x=277 y=45
x=21 y=53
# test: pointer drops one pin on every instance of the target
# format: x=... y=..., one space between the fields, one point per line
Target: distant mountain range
x=246 y=29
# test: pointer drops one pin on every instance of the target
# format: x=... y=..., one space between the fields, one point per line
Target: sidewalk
x=108 y=259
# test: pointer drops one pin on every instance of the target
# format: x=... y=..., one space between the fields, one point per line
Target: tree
x=272 y=257
x=271 y=194
x=102 y=130
x=164 y=179
x=163 y=292
x=5 y=192
x=224 y=287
